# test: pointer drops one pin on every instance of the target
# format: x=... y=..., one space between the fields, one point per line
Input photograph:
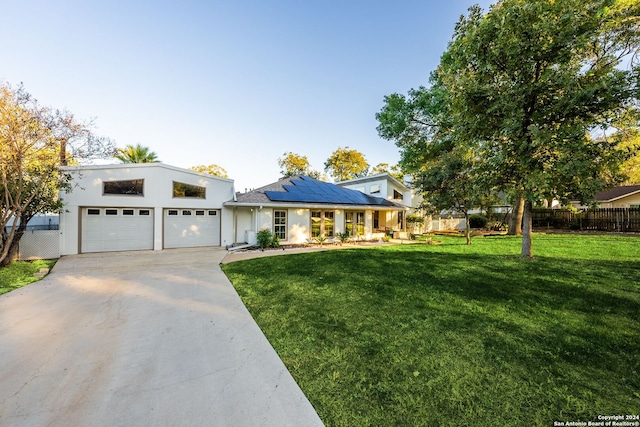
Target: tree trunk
x=515 y=222
x=12 y=253
x=527 y=229
x=467 y=228
x=12 y=240
x=10 y=249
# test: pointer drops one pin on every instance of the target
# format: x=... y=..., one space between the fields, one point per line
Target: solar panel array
x=309 y=190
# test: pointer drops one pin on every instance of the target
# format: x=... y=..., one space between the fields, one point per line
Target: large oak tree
x=528 y=85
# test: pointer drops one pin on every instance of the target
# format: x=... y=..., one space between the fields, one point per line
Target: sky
x=235 y=83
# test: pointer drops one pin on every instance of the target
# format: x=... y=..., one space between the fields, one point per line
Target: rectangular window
x=180 y=189
x=375 y=188
x=186 y=213
x=127 y=212
x=354 y=223
x=132 y=187
x=111 y=211
x=199 y=213
x=93 y=211
x=329 y=223
x=143 y=212
x=316 y=223
x=172 y=212
x=376 y=220
x=397 y=195
x=360 y=223
x=213 y=213
x=401 y=220
x=322 y=223
x=280 y=224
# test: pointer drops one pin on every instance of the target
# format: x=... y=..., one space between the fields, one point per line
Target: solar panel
x=307 y=190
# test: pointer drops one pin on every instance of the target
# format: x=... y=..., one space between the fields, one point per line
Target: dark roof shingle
x=617 y=192
x=303 y=189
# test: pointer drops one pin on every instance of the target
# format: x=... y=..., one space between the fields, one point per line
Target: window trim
x=280 y=222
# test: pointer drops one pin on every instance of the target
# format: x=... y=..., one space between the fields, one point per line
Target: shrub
x=265 y=238
x=275 y=241
x=478 y=221
x=343 y=237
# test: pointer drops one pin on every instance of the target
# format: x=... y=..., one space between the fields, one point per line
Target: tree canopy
x=345 y=164
x=136 y=154
x=211 y=169
x=292 y=164
x=34 y=142
x=523 y=88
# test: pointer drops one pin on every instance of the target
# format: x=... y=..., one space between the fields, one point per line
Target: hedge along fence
x=602 y=219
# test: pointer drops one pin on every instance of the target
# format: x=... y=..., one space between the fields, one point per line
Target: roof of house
x=152 y=165
x=617 y=193
x=371 y=178
x=303 y=189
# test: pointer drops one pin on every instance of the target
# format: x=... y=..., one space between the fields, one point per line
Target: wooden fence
x=602 y=219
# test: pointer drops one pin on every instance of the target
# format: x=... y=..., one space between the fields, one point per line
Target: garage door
x=187 y=228
x=116 y=229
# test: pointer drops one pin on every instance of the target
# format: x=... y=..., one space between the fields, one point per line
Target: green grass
x=20 y=273
x=450 y=335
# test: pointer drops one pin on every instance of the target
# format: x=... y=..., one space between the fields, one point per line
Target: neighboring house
x=388 y=187
x=627 y=196
x=300 y=208
x=143 y=206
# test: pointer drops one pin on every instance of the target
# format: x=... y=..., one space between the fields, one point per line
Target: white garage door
x=116 y=229
x=187 y=228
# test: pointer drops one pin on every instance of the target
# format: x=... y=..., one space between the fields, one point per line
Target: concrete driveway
x=140 y=339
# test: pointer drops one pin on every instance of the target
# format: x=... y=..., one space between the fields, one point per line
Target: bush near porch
x=456 y=335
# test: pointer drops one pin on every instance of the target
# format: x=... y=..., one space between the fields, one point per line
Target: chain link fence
x=39 y=242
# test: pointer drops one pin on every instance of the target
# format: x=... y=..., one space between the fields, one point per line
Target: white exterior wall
x=339 y=221
x=264 y=219
x=158 y=195
x=623 y=202
x=298 y=225
x=244 y=225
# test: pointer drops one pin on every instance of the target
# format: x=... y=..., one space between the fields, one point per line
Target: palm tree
x=136 y=154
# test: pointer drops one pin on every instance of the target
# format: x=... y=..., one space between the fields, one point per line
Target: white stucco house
x=300 y=208
x=154 y=206
x=124 y=207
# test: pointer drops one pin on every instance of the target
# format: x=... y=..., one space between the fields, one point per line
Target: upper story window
x=375 y=188
x=180 y=189
x=397 y=195
x=132 y=187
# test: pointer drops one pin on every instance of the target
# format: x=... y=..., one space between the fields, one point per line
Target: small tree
x=344 y=164
x=136 y=154
x=393 y=170
x=34 y=142
x=211 y=169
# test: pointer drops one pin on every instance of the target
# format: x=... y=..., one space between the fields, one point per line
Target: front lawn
x=450 y=335
x=20 y=273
